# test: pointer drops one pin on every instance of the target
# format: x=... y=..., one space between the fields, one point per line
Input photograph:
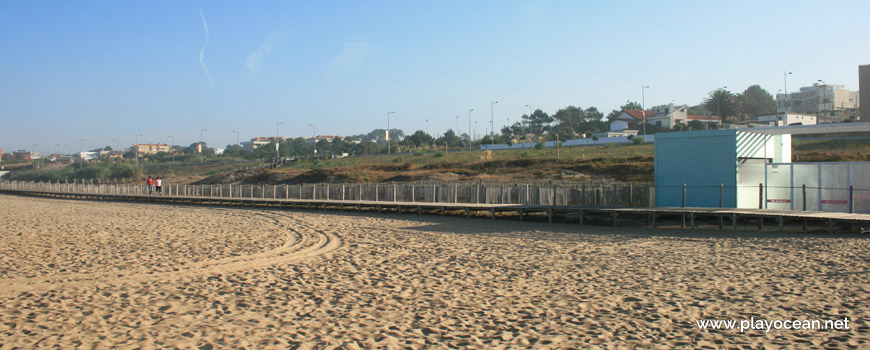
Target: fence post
x=760 y=196
x=613 y=203
x=376 y=192
x=804 y=190
x=684 y=196
x=394 y=192
x=721 y=189
x=851 y=206
x=528 y=187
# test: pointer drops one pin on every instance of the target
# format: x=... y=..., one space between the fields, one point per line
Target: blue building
x=731 y=162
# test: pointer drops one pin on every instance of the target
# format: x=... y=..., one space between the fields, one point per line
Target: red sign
x=779 y=200
x=834 y=201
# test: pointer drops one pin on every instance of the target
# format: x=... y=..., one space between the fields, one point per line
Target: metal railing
x=559 y=194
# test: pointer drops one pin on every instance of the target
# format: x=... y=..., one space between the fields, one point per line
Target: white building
x=787 y=119
x=827 y=101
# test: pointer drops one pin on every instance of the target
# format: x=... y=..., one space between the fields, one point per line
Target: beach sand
x=121 y=275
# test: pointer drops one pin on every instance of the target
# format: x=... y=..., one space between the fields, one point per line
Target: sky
x=112 y=73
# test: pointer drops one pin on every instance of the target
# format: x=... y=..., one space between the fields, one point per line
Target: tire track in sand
x=303 y=241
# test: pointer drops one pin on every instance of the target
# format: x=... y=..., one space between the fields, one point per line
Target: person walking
x=159 y=185
x=150 y=184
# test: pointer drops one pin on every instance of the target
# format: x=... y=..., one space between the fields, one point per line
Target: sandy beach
x=79 y=274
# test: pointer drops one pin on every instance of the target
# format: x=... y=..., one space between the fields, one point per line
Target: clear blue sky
x=104 y=70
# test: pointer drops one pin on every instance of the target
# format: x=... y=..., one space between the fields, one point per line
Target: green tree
x=419 y=139
x=756 y=101
x=449 y=137
x=538 y=122
x=627 y=105
x=697 y=110
x=724 y=102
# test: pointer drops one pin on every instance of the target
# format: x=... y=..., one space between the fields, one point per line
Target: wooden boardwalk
x=638 y=216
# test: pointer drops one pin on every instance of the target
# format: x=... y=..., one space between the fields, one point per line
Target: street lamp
x=68 y=149
x=136 y=148
x=819 y=110
x=785 y=92
x=314 y=138
x=388 y=131
x=81 y=156
x=116 y=144
x=530 y=118
x=170 y=148
x=469 y=129
x=643 y=106
x=492 y=124
x=458 y=133
x=238 y=144
x=200 y=144
x=32 y=160
x=277 y=142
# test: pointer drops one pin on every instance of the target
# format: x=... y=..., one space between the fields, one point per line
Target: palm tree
x=722 y=102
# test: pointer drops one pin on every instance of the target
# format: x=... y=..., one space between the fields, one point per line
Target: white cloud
x=353 y=55
x=255 y=57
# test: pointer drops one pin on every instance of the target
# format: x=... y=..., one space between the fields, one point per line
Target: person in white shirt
x=159 y=185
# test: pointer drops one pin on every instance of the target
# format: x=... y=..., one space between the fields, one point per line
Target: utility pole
x=238 y=144
x=492 y=124
x=136 y=149
x=81 y=156
x=170 y=148
x=200 y=144
x=388 y=131
x=277 y=140
x=469 y=129
x=643 y=107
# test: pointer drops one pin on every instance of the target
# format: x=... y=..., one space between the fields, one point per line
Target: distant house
x=150 y=148
x=261 y=141
x=89 y=155
x=667 y=116
x=628 y=119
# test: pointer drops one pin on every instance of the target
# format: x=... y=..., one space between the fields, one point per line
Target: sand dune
x=117 y=275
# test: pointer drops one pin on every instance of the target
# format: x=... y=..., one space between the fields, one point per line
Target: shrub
x=540 y=145
x=608 y=145
x=637 y=140
x=419 y=153
x=438 y=154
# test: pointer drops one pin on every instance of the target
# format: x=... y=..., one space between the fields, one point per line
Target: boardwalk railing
x=579 y=195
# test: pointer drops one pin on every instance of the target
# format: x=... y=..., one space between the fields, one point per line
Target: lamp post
x=388 y=131
x=785 y=92
x=524 y=122
x=116 y=144
x=57 y=148
x=777 y=122
x=200 y=144
x=81 y=156
x=136 y=148
x=819 y=109
x=170 y=147
x=643 y=107
x=492 y=124
x=718 y=106
x=314 y=138
x=32 y=160
x=277 y=140
x=470 y=133
x=238 y=144
x=68 y=149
